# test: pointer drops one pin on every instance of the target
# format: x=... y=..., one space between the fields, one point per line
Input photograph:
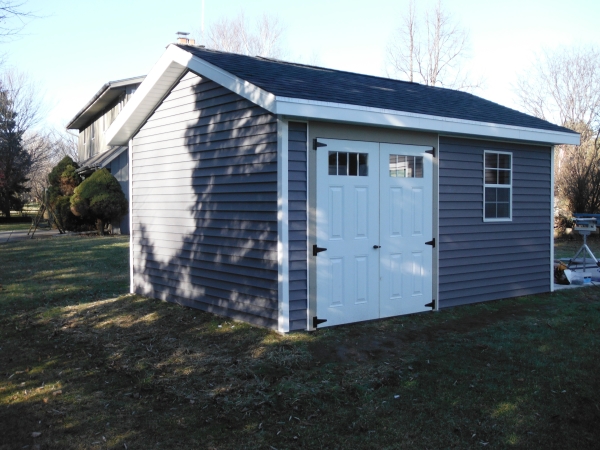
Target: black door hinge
x=432 y=243
x=431 y=305
x=317 y=321
x=431 y=152
x=318 y=249
x=317 y=144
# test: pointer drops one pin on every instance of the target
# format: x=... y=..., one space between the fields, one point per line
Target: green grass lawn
x=89 y=367
x=14 y=226
x=566 y=248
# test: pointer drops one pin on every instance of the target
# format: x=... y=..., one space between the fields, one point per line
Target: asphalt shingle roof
x=321 y=84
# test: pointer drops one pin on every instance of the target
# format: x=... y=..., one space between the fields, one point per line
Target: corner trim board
x=130 y=170
x=552 y=219
x=283 y=266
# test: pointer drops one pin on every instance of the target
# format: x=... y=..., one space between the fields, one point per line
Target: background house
x=92 y=122
x=283 y=194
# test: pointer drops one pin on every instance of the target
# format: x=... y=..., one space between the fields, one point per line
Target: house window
x=497 y=182
x=348 y=163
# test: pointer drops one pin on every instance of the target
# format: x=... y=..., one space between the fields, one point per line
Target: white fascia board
x=165 y=73
x=399 y=119
x=161 y=79
x=241 y=87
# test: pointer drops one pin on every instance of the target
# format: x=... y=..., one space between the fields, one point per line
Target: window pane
x=503 y=177
x=410 y=166
x=503 y=210
x=490 y=195
x=503 y=161
x=490 y=210
x=363 y=166
x=353 y=164
x=404 y=166
x=491 y=160
x=332 y=163
x=419 y=167
x=491 y=176
x=342 y=163
x=503 y=195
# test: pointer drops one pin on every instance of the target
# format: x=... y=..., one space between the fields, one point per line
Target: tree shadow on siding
x=214 y=244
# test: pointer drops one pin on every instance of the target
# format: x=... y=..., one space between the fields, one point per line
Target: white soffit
x=175 y=61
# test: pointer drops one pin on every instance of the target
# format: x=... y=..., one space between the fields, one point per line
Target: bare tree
x=26 y=98
x=12 y=18
x=431 y=51
x=46 y=149
x=237 y=36
x=563 y=86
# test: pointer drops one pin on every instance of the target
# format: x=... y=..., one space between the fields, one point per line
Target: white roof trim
x=166 y=72
x=399 y=119
x=175 y=61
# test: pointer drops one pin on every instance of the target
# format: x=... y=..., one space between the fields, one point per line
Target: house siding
x=479 y=260
x=204 y=193
x=297 y=207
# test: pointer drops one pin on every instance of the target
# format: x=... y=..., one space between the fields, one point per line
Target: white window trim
x=498 y=219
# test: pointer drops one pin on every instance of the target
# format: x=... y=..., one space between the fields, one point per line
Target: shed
x=291 y=196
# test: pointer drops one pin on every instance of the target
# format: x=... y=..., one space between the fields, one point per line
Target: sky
x=73 y=47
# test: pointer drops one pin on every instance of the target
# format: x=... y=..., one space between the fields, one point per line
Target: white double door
x=374 y=218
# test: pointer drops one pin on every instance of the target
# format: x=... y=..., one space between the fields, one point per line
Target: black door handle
x=376 y=246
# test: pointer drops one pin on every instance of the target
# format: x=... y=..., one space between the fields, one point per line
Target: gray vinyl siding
x=479 y=260
x=119 y=168
x=204 y=193
x=297 y=155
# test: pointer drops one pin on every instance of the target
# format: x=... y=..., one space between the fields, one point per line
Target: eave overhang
x=103 y=98
x=175 y=62
x=100 y=160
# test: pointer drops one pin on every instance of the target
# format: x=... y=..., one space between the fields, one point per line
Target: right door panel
x=406 y=198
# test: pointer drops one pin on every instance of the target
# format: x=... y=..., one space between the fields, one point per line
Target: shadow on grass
x=135 y=371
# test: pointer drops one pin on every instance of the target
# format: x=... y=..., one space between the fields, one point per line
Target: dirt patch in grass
x=361 y=345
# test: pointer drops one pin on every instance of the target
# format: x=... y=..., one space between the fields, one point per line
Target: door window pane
x=353 y=164
x=349 y=163
x=332 y=163
x=403 y=166
x=363 y=164
x=342 y=163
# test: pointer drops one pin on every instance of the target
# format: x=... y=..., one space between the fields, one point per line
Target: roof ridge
x=292 y=63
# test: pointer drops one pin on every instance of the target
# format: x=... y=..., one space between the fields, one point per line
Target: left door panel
x=348 y=227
